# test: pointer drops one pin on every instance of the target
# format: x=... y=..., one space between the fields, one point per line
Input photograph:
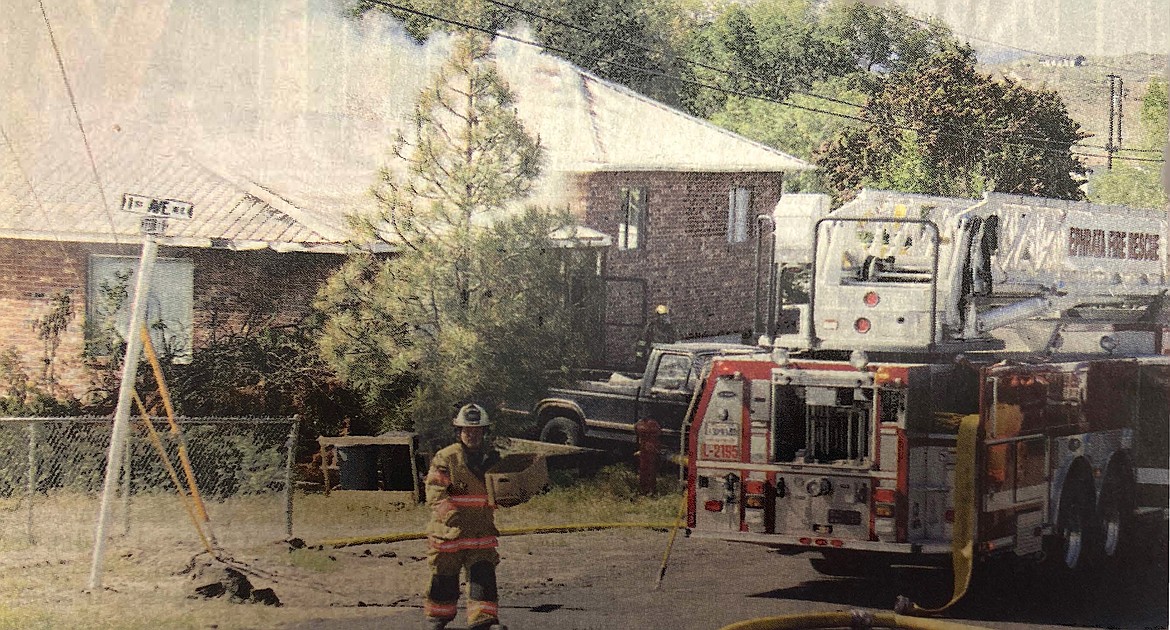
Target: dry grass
x=42 y=583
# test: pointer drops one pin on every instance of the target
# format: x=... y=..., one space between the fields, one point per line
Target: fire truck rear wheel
x=562 y=430
x=1076 y=524
x=1115 y=510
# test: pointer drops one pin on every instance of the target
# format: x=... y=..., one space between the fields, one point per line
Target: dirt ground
x=606 y=579
x=577 y=581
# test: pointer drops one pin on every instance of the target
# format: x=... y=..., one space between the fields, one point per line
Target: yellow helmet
x=472 y=415
x=662 y=309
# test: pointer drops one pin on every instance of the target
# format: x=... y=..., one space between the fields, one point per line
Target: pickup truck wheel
x=562 y=430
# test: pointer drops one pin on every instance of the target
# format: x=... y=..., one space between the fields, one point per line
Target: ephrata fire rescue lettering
x=1112 y=244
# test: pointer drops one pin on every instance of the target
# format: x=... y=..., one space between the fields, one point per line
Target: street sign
x=161 y=208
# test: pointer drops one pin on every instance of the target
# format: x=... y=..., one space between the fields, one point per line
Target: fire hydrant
x=648 y=431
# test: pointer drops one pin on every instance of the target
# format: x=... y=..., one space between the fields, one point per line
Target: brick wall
x=31 y=273
x=233 y=289
x=230 y=289
x=685 y=259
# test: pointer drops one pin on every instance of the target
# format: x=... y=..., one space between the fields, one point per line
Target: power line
x=80 y=125
x=644 y=48
x=693 y=82
x=754 y=79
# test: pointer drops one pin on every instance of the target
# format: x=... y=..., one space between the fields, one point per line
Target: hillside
x=1085 y=89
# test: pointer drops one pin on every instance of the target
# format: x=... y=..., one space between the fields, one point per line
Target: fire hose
x=963 y=529
x=845 y=619
x=337 y=543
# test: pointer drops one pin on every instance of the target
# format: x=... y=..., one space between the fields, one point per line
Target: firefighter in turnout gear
x=462 y=531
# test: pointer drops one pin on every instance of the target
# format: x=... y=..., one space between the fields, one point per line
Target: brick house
x=678 y=196
x=671 y=198
x=249 y=253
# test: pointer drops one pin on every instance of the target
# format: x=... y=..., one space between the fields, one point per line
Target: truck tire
x=1076 y=526
x=1115 y=511
x=562 y=430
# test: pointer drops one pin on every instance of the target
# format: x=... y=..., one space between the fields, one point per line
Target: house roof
x=274 y=151
x=48 y=192
x=591 y=124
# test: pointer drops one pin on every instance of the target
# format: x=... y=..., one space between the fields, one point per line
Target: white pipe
x=122 y=414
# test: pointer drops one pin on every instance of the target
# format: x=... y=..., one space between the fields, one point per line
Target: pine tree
x=473 y=304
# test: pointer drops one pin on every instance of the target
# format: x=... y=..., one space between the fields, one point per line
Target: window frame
x=739 y=225
x=680 y=359
x=181 y=311
x=636 y=198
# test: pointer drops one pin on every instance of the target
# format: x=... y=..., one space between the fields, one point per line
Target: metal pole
x=127 y=468
x=32 y=477
x=289 y=459
x=122 y=414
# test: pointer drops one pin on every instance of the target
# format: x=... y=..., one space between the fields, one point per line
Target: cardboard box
x=516 y=478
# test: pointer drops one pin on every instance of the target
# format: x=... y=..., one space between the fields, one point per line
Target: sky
x=1056 y=27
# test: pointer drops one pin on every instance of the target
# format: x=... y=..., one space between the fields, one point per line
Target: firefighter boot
x=440 y=602
x=482 y=601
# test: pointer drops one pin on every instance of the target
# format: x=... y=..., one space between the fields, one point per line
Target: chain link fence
x=52 y=471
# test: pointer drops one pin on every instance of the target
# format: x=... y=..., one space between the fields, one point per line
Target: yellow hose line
x=148 y=349
x=682 y=511
x=845 y=619
x=174 y=474
x=514 y=531
x=963 y=530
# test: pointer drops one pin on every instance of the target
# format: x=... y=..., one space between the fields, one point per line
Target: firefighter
x=658 y=329
x=462 y=531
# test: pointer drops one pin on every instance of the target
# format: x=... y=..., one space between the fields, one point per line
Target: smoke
x=294 y=95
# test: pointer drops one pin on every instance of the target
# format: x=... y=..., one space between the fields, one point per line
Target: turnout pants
x=443 y=594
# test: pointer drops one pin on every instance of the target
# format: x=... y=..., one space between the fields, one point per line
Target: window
x=739 y=206
x=632 y=218
x=169 y=305
x=673 y=370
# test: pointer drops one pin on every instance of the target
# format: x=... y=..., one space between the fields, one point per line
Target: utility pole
x=1116 y=93
x=155 y=213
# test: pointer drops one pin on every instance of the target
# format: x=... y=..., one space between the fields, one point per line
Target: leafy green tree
x=941 y=128
x=477 y=13
x=769 y=48
x=1132 y=183
x=796 y=130
x=882 y=39
x=616 y=39
x=631 y=42
x=473 y=305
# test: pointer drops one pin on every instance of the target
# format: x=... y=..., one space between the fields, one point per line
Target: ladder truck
x=965 y=376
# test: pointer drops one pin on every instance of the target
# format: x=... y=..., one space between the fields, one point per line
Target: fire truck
x=978 y=377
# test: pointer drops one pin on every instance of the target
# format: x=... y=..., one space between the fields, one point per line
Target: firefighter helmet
x=472 y=415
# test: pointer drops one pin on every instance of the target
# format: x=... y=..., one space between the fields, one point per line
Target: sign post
x=156 y=212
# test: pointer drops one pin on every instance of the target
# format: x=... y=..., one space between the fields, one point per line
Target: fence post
x=289 y=460
x=33 y=473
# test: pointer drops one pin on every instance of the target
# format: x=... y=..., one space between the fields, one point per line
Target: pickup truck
x=606 y=409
